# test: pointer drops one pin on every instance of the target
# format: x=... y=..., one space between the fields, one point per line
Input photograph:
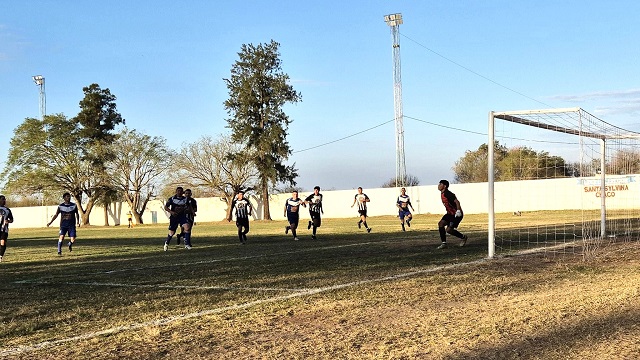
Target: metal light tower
x=39 y=80
x=394 y=21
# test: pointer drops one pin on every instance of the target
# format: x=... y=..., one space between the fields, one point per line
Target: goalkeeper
x=452 y=218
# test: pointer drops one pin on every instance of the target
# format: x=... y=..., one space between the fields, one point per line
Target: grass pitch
x=349 y=294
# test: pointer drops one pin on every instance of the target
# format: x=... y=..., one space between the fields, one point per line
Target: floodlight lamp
x=38 y=79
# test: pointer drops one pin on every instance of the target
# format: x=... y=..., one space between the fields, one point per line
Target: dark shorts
x=293 y=217
x=178 y=220
x=70 y=230
x=315 y=218
x=242 y=222
x=403 y=213
x=362 y=213
x=4 y=235
x=452 y=221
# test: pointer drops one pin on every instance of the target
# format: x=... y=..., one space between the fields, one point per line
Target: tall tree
x=258 y=90
x=97 y=120
x=137 y=170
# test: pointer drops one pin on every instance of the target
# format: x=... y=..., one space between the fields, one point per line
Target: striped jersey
x=361 y=201
x=241 y=207
x=315 y=202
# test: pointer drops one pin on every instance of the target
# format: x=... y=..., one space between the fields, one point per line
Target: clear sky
x=165 y=61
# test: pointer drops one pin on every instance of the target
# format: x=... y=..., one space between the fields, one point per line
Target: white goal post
x=603 y=158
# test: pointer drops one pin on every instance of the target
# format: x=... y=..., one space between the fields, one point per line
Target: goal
x=561 y=180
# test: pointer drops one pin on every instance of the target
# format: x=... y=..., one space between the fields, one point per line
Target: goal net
x=561 y=180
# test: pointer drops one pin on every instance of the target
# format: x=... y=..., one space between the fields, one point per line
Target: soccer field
x=349 y=294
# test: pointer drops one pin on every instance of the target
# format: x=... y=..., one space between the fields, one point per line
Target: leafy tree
x=97 y=119
x=524 y=163
x=473 y=166
x=138 y=168
x=207 y=165
x=518 y=163
x=409 y=180
x=46 y=156
x=258 y=90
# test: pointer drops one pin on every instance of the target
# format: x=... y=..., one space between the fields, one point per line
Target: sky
x=165 y=61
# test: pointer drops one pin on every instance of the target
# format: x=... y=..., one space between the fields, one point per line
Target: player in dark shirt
x=450 y=221
x=404 y=203
x=6 y=217
x=191 y=215
x=292 y=213
x=178 y=208
x=69 y=217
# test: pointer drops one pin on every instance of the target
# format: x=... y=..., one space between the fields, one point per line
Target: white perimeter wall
x=531 y=195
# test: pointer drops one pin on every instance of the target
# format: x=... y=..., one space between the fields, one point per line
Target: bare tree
x=208 y=164
x=138 y=168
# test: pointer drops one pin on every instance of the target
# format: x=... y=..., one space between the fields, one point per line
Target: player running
x=404 y=203
x=315 y=208
x=362 y=200
x=242 y=208
x=452 y=218
x=292 y=213
x=178 y=208
x=6 y=217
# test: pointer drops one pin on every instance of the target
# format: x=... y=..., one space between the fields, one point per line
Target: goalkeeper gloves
x=458 y=213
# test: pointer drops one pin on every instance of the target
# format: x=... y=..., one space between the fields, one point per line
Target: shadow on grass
x=561 y=342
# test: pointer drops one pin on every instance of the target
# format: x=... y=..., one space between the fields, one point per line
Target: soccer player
x=315 y=208
x=404 y=203
x=291 y=207
x=362 y=200
x=178 y=208
x=241 y=206
x=6 y=217
x=191 y=214
x=450 y=221
x=69 y=217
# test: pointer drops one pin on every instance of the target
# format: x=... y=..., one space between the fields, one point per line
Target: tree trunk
x=137 y=216
x=106 y=215
x=266 y=215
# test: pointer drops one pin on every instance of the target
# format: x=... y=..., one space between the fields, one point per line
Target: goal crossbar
x=573 y=121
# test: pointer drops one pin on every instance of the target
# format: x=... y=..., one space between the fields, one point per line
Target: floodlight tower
x=39 y=80
x=394 y=21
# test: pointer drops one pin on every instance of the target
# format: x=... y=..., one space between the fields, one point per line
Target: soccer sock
x=443 y=234
x=365 y=225
x=293 y=231
x=314 y=230
x=240 y=234
x=360 y=222
x=3 y=248
x=168 y=239
x=187 y=238
x=402 y=226
x=457 y=233
x=59 y=245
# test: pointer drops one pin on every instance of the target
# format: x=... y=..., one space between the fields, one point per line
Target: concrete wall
x=531 y=195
